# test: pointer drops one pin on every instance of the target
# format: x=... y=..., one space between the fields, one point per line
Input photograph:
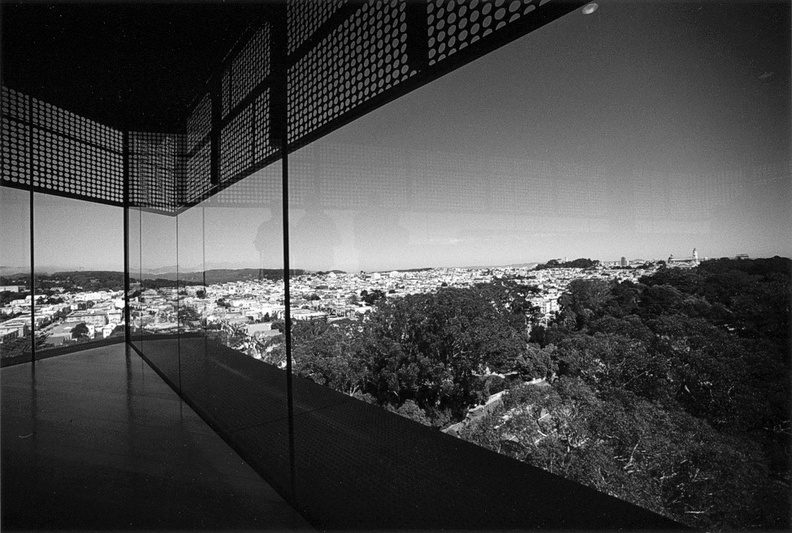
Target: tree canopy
x=80 y=331
x=671 y=393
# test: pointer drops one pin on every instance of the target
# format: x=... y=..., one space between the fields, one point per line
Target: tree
x=671 y=393
x=188 y=314
x=325 y=353
x=584 y=299
x=80 y=331
x=373 y=297
x=427 y=347
x=410 y=409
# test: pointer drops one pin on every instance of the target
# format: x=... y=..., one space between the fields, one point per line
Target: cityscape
x=251 y=307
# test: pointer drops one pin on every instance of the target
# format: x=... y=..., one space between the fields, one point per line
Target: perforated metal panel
x=455 y=25
x=62 y=153
x=16 y=155
x=15 y=104
x=345 y=58
x=154 y=166
x=305 y=18
x=199 y=124
x=360 y=59
x=335 y=61
x=251 y=66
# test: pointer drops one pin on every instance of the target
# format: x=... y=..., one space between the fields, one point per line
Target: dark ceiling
x=134 y=66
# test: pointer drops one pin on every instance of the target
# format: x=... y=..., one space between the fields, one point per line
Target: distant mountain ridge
x=224 y=275
x=116 y=278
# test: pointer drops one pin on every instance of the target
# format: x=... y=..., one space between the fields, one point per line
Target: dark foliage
x=671 y=393
x=577 y=263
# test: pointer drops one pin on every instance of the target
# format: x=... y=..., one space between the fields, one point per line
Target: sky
x=642 y=130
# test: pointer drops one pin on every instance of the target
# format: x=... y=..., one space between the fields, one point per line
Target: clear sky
x=642 y=130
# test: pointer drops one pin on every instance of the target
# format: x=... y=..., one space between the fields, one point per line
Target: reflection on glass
x=465 y=253
x=159 y=293
x=15 y=297
x=158 y=297
x=244 y=266
x=473 y=257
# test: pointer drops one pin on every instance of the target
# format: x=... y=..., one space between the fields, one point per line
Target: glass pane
x=79 y=267
x=135 y=286
x=192 y=289
x=234 y=373
x=424 y=228
x=159 y=292
x=15 y=308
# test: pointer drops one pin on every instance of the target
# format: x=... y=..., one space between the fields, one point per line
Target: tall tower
x=695 y=256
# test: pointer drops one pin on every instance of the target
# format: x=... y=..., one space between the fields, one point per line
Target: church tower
x=695 y=256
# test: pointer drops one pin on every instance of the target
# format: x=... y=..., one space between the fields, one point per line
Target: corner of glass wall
x=158 y=299
x=232 y=348
x=15 y=277
x=207 y=304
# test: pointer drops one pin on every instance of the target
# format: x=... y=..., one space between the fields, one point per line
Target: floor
x=96 y=440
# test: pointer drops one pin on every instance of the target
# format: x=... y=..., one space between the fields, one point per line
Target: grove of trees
x=671 y=393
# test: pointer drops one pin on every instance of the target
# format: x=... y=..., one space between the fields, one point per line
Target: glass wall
x=134 y=250
x=159 y=288
x=79 y=273
x=231 y=248
x=15 y=296
x=79 y=268
x=435 y=245
x=207 y=299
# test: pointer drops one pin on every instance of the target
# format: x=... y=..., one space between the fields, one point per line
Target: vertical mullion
x=279 y=132
x=178 y=308
x=127 y=185
x=31 y=215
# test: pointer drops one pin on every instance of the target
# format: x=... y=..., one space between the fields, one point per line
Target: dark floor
x=95 y=440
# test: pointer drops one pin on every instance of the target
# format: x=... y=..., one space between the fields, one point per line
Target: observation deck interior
x=179 y=432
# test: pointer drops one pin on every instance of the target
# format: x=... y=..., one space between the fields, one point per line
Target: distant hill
x=223 y=275
x=114 y=280
x=577 y=263
x=513 y=265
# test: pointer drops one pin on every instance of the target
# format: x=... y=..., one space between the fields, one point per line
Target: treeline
x=671 y=393
x=422 y=350
x=576 y=263
x=96 y=280
x=226 y=275
x=88 y=280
